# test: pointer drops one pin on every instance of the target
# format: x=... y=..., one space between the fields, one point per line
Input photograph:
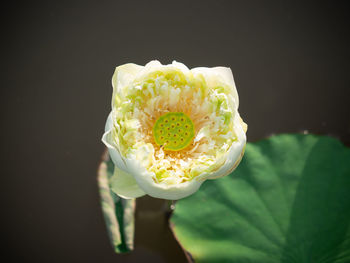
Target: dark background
x=290 y=61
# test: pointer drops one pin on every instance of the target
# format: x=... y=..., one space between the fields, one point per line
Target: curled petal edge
x=169 y=192
x=114 y=153
x=124 y=185
x=235 y=153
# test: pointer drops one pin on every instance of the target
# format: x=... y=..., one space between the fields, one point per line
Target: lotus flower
x=171 y=128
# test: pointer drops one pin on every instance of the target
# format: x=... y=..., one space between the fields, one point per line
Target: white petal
x=181 y=67
x=235 y=153
x=155 y=65
x=109 y=123
x=151 y=66
x=219 y=74
x=123 y=76
x=124 y=185
x=203 y=132
x=159 y=190
x=107 y=139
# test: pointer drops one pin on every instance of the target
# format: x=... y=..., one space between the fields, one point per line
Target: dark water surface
x=290 y=61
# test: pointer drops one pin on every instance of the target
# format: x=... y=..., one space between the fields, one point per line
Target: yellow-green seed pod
x=173 y=131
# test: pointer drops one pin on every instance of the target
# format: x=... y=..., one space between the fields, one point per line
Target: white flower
x=171 y=128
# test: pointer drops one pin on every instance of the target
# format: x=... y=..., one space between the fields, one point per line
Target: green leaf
x=118 y=212
x=288 y=201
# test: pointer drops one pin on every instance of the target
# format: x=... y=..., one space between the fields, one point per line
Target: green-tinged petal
x=124 y=185
x=219 y=75
x=122 y=77
x=108 y=140
x=235 y=153
x=118 y=212
x=288 y=202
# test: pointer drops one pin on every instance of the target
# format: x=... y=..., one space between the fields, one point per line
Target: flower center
x=174 y=131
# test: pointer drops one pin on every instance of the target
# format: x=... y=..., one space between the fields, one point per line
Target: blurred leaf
x=288 y=201
x=118 y=212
